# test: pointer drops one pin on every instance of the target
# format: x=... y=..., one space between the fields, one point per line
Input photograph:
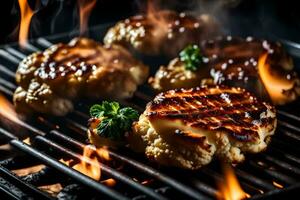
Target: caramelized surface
x=51 y=80
x=234 y=62
x=155 y=33
x=236 y=59
x=225 y=109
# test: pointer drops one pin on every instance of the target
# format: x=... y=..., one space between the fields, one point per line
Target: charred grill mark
x=208 y=101
x=238 y=112
x=70 y=64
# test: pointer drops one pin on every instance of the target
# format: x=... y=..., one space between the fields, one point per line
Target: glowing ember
x=230 y=188
x=109 y=182
x=277 y=185
x=28 y=170
x=85 y=8
x=27 y=141
x=26 y=14
x=276 y=86
x=89 y=162
x=53 y=189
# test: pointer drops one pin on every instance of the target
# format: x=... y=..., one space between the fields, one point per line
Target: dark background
x=263 y=18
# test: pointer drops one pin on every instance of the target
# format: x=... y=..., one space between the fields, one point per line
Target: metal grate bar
x=142 y=167
x=7 y=194
x=109 y=171
x=61 y=167
x=24 y=185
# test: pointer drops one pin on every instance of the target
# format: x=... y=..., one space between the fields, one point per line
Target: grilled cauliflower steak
x=187 y=128
x=164 y=32
x=234 y=62
x=50 y=81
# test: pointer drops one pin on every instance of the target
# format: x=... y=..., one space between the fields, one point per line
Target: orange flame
x=158 y=19
x=274 y=85
x=26 y=14
x=89 y=162
x=7 y=110
x=230 y=188
x=85 y=8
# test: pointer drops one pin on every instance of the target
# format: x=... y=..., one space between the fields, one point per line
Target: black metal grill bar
x=7 y=194
x=289 y=134
x=287 y=125
x=274 y=174
x=283 y=165
x=7 y=84
x=142 y=167
x=87 y=181
x=22 y=184
x=283 y=113
x=7 y=71
x=287 y=156
x=108 y=170
x=220 y=178
x=254 y=180
x=6 y=91
x=15 y=52
x=9 y=57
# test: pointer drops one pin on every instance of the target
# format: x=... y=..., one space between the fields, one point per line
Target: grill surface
x=272 y=173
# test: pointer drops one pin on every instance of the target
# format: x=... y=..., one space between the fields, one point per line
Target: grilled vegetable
x=50 y=82
x=187 y=128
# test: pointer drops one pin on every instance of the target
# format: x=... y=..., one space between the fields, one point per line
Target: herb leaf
x=115 y=121
x=96 y=111
x=191 y=57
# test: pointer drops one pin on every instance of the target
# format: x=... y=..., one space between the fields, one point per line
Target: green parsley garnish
x=191 y=57
x=115 y=121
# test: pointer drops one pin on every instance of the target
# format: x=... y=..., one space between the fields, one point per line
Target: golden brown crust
x=186 y=128
x=163 y=32
x=233 y=61
x=81 y=68
x=232 y=110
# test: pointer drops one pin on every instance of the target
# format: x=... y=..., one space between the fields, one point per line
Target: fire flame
x=85 y=8
x=89 y=162
x=230 y=188
x=157 y=19
x=7 y=110
x=274 y=85
x=26 y=15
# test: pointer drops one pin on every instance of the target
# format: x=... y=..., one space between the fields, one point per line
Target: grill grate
x=273 y=172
